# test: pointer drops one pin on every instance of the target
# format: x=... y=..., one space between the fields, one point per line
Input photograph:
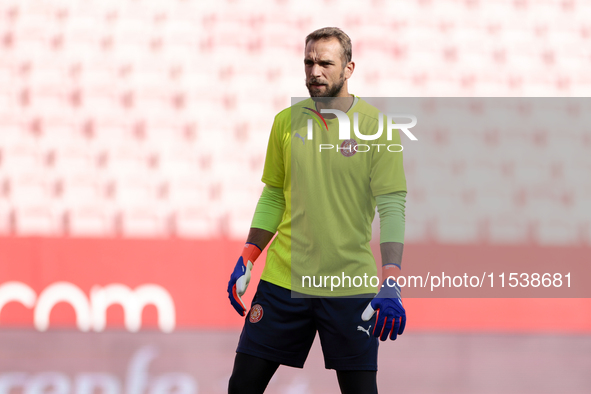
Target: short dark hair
x=330 y=32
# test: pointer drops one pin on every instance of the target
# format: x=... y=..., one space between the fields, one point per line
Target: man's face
x=325 y=71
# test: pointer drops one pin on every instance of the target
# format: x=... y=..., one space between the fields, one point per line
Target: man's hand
x=241 y=277
x=391 y=317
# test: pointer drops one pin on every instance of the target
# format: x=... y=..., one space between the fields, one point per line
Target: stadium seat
x=142 y=220
x=40 y=220
x=32 y=188
x=24 y=156
x=197 y=222
x=5 y=218
x=510 y=228
x=81 y=188
x=90 y=220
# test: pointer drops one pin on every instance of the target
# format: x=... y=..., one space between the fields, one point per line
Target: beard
x=331 y=90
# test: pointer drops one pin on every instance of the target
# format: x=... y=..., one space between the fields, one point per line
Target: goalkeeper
x=321 y=204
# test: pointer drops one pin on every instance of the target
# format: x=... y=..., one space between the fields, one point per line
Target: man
x=321 y=202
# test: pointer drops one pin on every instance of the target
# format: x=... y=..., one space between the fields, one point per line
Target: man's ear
x=349 y=68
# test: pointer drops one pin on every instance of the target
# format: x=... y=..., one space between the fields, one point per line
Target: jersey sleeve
x=391 y=209
x=269 y=210
x=274 y=170
x=387 y=170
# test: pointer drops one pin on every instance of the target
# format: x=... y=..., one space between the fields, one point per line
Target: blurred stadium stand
x=150 y=118
x=132 y=142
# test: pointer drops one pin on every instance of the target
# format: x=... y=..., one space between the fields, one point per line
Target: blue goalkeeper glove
x=391 y=317
x=241 y=277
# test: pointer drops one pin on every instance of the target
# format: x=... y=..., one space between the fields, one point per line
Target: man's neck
x=341 y=103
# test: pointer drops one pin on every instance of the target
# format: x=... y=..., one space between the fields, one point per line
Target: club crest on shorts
x=256 y=313
x=348 y=147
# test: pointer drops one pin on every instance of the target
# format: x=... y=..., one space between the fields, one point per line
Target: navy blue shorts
x=282 y=329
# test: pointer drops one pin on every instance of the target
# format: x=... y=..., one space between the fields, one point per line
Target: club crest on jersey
x=256 y=313
x=348 y=147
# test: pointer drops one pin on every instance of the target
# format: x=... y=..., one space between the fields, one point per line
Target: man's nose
x=315 y=71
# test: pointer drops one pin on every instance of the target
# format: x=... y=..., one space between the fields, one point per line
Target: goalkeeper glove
x=391 y=317
x=241 y=276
